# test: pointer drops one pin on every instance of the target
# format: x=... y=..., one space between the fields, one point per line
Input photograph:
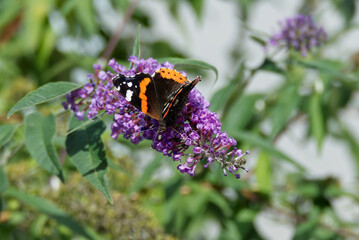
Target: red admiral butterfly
x=161 y=95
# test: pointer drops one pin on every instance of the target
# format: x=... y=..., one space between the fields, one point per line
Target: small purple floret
x=195 y=135
x=299 y=33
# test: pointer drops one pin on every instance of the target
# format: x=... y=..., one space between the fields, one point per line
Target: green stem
x=236 y=93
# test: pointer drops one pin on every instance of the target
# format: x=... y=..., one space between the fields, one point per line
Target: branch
x=117 y=34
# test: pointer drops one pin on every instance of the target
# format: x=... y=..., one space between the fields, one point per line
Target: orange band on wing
x=174 y=75
x=143 y=87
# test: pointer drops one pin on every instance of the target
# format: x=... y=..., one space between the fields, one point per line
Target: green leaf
x=6 y=133
x=230 y=231
x=39 y=134
x=219 y=201
x=241 y=112
x=246 y=215
x=190 y=62
x=38 y=225
x=346 y=8
x=197 y=6
x=52 y=211
x=35 y=17
x=147 y=174
x=86 y=123
x=304 y=230
x=323 y=233
x=269 y=65
x=245 y=219
x=325 y=66
x=336 y=98
x=4 y=183
x=237 y=86
x=353 y=144
x=141 y=16
x=220 y=97
x=46 y=48
x=59 y=67
x=136 y=50
x=1 y=205
x=258 y=40
x=264 y=173
x=68 y=7
x=43 y=94
x=87 y=152
x=86 y=16
x=265 y=145
x=308 y=190
x=317 y=125
x=288 y=101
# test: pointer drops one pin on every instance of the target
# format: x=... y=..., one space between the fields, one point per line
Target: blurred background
x=297 y=115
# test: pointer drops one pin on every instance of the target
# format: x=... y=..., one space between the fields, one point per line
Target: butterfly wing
x=174 y=89
x=177 y=102
x=167 y=82
x=139 y=90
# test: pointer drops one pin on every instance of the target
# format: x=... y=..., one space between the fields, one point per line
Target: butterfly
x=161 y=95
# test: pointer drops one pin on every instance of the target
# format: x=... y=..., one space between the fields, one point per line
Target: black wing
x=139 y=90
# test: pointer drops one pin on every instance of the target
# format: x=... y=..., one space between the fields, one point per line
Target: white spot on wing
x=118 y=88
x=129 y=84
x=129 y=95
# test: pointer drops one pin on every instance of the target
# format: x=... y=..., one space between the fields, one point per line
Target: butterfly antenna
x=175 y=130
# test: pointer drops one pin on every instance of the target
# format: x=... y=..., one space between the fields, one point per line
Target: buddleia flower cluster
x=195 y=136
x=299 y=33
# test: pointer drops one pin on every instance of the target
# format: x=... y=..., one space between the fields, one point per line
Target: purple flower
x=195 y=135
x=299 y=33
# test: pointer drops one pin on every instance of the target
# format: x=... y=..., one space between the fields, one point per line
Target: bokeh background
x=297 y=115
